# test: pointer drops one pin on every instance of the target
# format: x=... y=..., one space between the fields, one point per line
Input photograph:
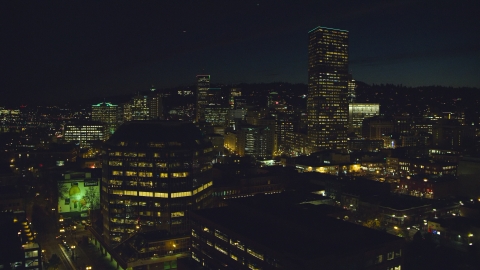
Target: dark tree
x=54 y=261
x=417 y=237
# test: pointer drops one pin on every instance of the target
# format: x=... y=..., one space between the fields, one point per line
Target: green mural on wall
x=78 y=195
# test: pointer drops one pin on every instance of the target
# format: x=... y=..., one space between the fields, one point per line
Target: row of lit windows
x=118 y=163
x=137 y=183
x=156 y=155
x=84 y=137
x=201 y=188
x=234 y=243
x=221 y=235
x=136 y=193
x=221 y=249
x=129 y=202
x=68 y=128
x=127 y=154
x=159 y=194
x=150 y=174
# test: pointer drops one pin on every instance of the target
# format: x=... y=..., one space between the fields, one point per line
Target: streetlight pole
x=73 y=252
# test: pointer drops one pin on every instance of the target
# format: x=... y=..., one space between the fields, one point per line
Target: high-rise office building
x=214 y=96
x=284 y=124
x=256 y=141
x=155 y=106
x=377 y=127
x=153 y=173
x=235 y=116
x=352 y=85
x=126 y=112
x=234 y=92
x=327 y=104
x=140 y=109
x=108 y=114
x=216 y=114
x=85 y=134
x=203 y=84
x=357 y=112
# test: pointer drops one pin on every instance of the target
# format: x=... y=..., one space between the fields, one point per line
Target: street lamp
x=74 y=232
x=73 y=252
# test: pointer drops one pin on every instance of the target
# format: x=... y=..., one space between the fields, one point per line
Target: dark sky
x=51 y=52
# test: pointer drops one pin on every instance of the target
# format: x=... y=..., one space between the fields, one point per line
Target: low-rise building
x=428 y=186
x=419 y=166
x=153 y=249
x=19 y=249
x=365 y=145
x=291 y=238
x=460 y=230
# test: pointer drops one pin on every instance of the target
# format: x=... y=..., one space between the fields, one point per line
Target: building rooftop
x=458 y=223
x=157 y=131
x=84 y=123
x=106 y=104
x=431 y=178
x=401 y=202
x=301 y=234
x=138 y=245
x=323 y=27
x=52 y=148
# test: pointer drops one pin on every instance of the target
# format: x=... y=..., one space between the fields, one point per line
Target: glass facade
x=84 y=134
x=108 y=114
x=140 y=109
x=357 y=112
x=255 y=141
x=327 y=104
x=216 y=114
x=150 y=185
x=203 y=84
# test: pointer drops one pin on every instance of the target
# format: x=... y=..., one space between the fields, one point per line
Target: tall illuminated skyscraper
x=108 y=114
x=327 y=104
x=203 y=84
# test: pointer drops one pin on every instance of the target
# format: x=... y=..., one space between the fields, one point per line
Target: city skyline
x=222 y=120
x=59 y=52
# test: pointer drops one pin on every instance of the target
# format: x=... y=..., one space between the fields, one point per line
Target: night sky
x=78 y=49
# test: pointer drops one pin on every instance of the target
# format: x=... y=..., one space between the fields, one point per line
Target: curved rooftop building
x=153 y=172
